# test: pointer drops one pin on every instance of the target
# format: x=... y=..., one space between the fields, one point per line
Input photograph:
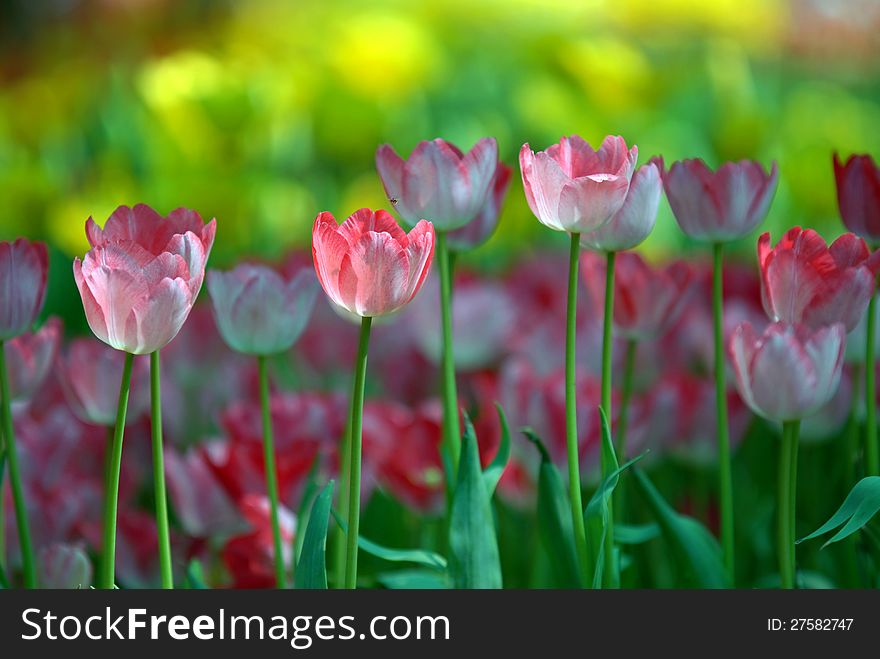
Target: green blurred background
x=263 y=113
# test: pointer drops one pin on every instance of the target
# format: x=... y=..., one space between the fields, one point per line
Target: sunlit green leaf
x=475 y=562
x=311 y=569
x=415 y=579
x=860 y=505
x=635 y=534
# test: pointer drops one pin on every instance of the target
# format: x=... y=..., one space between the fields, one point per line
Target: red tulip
x=722 y=205
x=368 y=265
x=90 y=374
x=477 y=231
x=24 y=267
x=572 y=187
x=142 y=275
x=790 y=371
x=257 y=311
x=858 y=195
x=646 y=300
x=29 y=358
x=805 y=281
x=438 y=182
x=249 y=557
x=635 y=219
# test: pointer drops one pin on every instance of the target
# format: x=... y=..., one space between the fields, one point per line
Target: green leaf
x=635 y=534
x=419 y=556
x=418 y=579
x=554 y=519
x=311 y=569
x=860 y=505
x=475 y=562
x=305 y=506
x=195 y=575
x=493 y=471
x=694 y=549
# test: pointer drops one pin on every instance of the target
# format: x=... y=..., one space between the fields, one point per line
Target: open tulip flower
x=477 y=231
x=858 y=195
x=572 y=187
x=723 y=205
x=803 y=280
x=24 y=267
x=29 y=357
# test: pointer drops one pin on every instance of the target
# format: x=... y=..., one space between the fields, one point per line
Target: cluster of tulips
x=143 y=273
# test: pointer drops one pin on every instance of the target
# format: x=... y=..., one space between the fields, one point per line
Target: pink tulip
x=65 y=566
x=368 y=265
x=29 y=358
x=722 y=205
x=635 y=219
x=790 y=371
x=257 y=311
x=572 y=187
x=646 y=300
x=90 y=374
x=805 y=281
x=142 y=275
x=438 y=182
x=477 y=231
x=858 y=195
x=24 y=267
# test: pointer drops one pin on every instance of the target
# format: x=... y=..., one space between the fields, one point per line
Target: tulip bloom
x=29 y=357
x=784 y=375
x=858 y=195
x=257 y=311
x=261 y=314
x=23 y=271
x=477 y=231
x=138 y=283
x=572 y=187
x=438 y=182
x=723 y=205
x=371 y=267
x=803 y=280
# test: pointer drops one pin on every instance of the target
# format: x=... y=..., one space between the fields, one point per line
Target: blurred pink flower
x=790 y=371
x=90 y=375
x=142 y=275
x=257 y=311
x=249 y=557
x=646 y=300
x=572 y=187
x=805 y=281
x=635 y=220
x=858 y=195
x=438 y=182
x=29 y=358
x=368 y=265
x=24 y=267
x=200 y=503
x=723 y=205
x=64 y=566
x=477 y=231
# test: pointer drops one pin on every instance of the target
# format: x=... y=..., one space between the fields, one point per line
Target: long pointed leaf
x=418 y=556
x=311 y=570
x=419 y=579
x=310 y=491
x=475 y=562
x=493 y=471
x=860 y=505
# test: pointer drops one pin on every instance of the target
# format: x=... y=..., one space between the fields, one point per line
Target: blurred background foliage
x=263 y=113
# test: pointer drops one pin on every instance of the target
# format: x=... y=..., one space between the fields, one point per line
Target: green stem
x=340 y=548
x=612 y=579
x=271 y=472
x=787 y=496
x=354 y=481
x=111 y=499
x=108 y=453
x=629 y=367
x=451 y=428
x=725 y=474
x=24 y=533
x=571 y=433
x=159 y=472
x=872 y=461
x=850 y=476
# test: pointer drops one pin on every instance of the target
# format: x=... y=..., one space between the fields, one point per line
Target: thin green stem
x=271 y=472
x=451 y=428
x=354 y=480
x=111 y=500
x=24 y=532
x=612 y=578
x=571 y=433
x=872 y=460
x=159 y=472
x=787 y=495
x=108 y=453
x=850 y=476
x=340 y=548
x=629 y=367
x=724 y=468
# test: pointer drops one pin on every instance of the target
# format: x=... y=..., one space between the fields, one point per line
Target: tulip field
x=498 y=355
